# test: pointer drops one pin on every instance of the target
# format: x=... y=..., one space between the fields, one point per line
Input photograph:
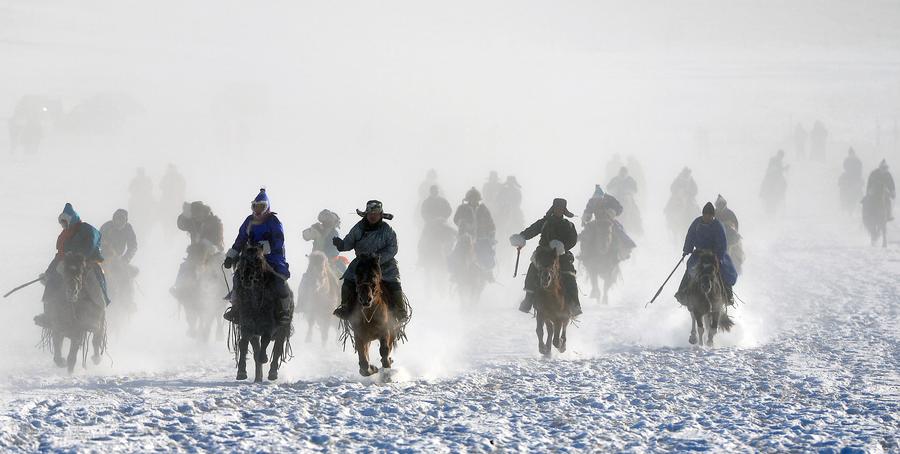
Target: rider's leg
x=682 y=288
x=348 y=298
x=231 y=314
x=530 y=286
x=570 y=287
x=284 y=310
x=396 y=301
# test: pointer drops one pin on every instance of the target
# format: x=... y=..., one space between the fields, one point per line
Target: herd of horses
x=82 y=317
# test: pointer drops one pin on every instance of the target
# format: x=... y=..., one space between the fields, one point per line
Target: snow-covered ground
x=812 y=365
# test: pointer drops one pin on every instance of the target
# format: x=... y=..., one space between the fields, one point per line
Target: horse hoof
x=262 y=357
x=692 y=340
x=257 y=380
x=242 y=375
x=96 y=359
x=60 y=362
x=273 y=375
x=372 y=370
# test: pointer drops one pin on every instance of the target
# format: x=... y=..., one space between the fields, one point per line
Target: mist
x=330 y=105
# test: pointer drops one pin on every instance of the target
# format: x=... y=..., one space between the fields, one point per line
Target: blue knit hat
x=69 y=216
x=262 y=197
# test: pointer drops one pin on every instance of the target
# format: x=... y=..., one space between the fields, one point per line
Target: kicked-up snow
x=811 y=365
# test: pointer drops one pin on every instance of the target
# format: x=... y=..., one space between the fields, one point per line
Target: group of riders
x=465 y=249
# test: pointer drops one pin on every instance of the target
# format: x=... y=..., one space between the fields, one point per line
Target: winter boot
x=42 y=320
x=574 y=308
x=231 y=314
x=527 y=303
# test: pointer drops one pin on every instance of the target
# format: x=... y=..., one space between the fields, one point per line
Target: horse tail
x=725 y=322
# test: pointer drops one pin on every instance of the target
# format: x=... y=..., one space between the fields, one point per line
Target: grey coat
x=380 y=240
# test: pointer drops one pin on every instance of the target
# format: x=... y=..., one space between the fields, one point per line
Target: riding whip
x=518 y=254
x=666 y=281
x=21 y=287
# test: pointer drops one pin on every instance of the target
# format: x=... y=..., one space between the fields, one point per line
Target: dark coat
x=476 y=221
x=378 y=240
x=596 y=205
x=122 y=242
x=712 y=237
x=555 y=228
x=436 y=207
x=880 y=179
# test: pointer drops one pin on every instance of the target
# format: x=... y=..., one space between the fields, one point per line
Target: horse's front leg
x=539 y=330
x=242 y=356
x=562 y=336
x=595 y=284
x=701 y=328
x=277 y=354
x=57 y=341
x=557 y=328
x=693 y=339
x=607 y=284
x=97 y=342
x=72 y=359
x=713 y=327
x=386 y=344
x=261 y=354
x=362 y=350
x=258 y=352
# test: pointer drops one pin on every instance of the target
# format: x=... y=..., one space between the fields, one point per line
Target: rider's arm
x=389 y=251
x=570 y=236
x=533 y=230
x=349 y=241
x=277 y=238
x=241 y=239
x=130 y=243
x=689 y=238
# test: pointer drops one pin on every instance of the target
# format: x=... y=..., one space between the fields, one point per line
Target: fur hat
x=560 y=203
x=472 y=195
x=262 y=197
x=375 y=206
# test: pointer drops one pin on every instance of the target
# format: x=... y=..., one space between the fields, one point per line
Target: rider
x=602 y=205
x=321 y=234
x=263 y=228
x=881 y=180
x=707 y=233
x=117 y=239
x=435 y=207
x=76 y=237
x=372 y=236
x=473 y=217
x=203 y=227
x=684 y=185
x=491 y=190
x=728 y=219
x=558 y=233
x=852 y=164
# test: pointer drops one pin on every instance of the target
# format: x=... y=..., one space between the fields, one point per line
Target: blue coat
x=710 y=236
x=268 y=231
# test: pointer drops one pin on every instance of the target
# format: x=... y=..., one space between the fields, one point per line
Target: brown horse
x=371 y=319
x=318 y=294
x=705 y=299
x=257 y=292
x=550 y=302
x=79 y=314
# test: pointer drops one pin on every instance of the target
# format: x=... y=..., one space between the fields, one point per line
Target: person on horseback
x=728 y=219
x=558 y=233
x=372 y=236
x=473 y=218
x=435 y=207
x=321 y=234
x=206 y=241
x=882 y=182
x=603 y=205
x=708 y=233
x=76 y=237
x=491 y=190
x=262 y=227
x=684 y=185
x=625 y=188
x=118 y=238
x=850 y=182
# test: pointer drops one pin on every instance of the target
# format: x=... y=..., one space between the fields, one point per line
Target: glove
x=229 y=262
x=337 y=242
x=43 y=278
x=685 y=253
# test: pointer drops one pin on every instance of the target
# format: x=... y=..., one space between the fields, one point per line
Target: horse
x=318 y=295
x=79 y=313
x=773 y=189
x=120 y=280
x=550 y=302
x=876 y=207
x=371 y=319
x=467 y=275
x=705 y=299
x=256 y=322
x=600 y=256
x=851 y=191
x=435 y=247
x=199 y=289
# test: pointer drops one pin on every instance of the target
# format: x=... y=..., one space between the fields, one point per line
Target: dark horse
x=371 y=319
x=600 y=256
x=705 y=299
x=550 y=302
x=875 y=209
x=78 y=312
x=257 y=292
x=199 y=289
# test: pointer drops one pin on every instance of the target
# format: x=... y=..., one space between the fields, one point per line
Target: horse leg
x=713 y=318
x=595 y=285
x=72 y=359
x=693 y=339
x=309 y=329
x=277 y=355
x=257 y=351
x=385 y=347
x=884 y=235
x=242 y=356
x=700 y=328
x=539 y=330
x=97 y=343
x=607 y=284
x=557 y=327
x=57 y=340
x=261 y=354
x=562 y=337
x=362 y=350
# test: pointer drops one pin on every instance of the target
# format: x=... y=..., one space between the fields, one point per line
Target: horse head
x=368 y=279
x=546 y=261
x=707 y=270
x=73 y=266
x=252 y=265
